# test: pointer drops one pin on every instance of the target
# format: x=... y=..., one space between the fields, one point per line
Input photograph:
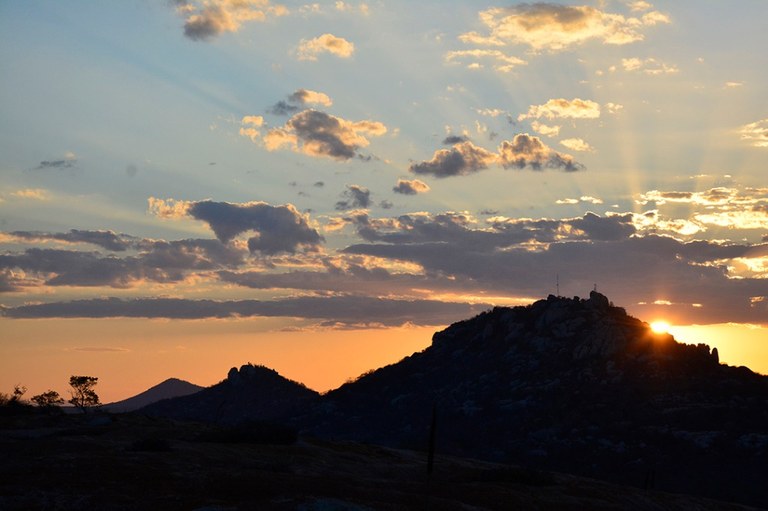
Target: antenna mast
x=557 y=281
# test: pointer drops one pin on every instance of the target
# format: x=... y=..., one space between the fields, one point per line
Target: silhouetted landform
x=170 y=388
x=252 y=393
x=571 y=385
x=133 y=462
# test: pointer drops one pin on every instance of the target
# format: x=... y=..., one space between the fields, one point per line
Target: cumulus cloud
x=522 y=151
x=326 y=43
x=355 y=196
x=317 y=133
x=410 y=187
x=249 y=123
x=501 y=61
x=277 y=228
x=206 y=19
x=462 y=159
x=563 y=109
x=554 y=27
x=756 y=133
x=545 y=129
x=345 y=309
x=577 y=144
x=528 y=151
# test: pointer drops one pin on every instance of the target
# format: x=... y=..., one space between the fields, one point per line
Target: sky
x=191 y=185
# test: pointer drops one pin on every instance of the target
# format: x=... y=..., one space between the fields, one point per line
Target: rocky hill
x=252 y=393
x=572 y=385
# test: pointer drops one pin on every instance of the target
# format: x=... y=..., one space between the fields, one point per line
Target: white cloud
x=553 y=27
x=326 y=43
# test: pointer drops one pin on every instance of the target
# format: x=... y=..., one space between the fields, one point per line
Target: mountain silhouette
x=170 y=388
x=566 y=384
x=252 y=393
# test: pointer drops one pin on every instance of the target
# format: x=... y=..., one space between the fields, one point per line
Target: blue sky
x=374 y=165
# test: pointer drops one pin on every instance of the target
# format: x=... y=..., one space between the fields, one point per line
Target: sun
x=660 y=327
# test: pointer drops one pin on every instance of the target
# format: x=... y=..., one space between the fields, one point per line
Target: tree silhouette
x=47 y=399
x=83 y=395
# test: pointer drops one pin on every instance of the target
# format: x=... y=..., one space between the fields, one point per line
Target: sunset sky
x=187 y=186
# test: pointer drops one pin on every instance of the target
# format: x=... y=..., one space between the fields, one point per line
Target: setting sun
x=660 y=327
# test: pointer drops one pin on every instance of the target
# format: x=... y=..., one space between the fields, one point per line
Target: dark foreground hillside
x=132 y=462
x=572 y=385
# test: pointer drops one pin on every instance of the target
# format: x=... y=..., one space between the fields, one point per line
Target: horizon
x=193 y=185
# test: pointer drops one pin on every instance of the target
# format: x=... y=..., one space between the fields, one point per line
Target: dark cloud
x=356 y=196
x=156 y=261
x=57 y=164
x=278 y=228
x=410 y=187
x=454 y=139
x=385 y=204
x=105 y=239
x=317 y=133
x=630 y=270
x=298 y=99
x=522 y=151
x=283 y=108
x=318 y=184
x=341 y=309
x=459 y=229
x=462 y=159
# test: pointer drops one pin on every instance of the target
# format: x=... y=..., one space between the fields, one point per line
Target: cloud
x=31 y=193
x=249 y=123
x=356 y=197
x=346 y=309
x=577 y=144
x=554 y=27
x=455 y=139
x=362 y=7
x=584 y=198
x=522 y=151
x=410 y=187
x=520 y=256
x=528 y=151
x=105 y=239
x=156 y=261
x=563 y=109
x=206 y=19
x=462 y=159
x=69 y=161
x=326 y=43
x=502 y=62
x=649 y=66
x=316 y=133
x=756 y=133
x=298 y=98
x=277 y=228
x=544 y=129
